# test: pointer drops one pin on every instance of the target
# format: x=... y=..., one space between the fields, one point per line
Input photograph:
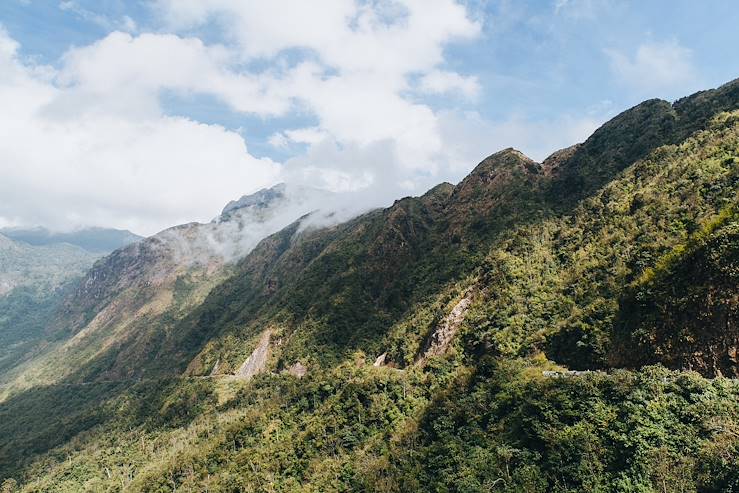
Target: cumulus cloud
x=91 y=137
x=360 y=57
x=655 y=66
x=130 y=70
x=74 y=153
x=440 y=81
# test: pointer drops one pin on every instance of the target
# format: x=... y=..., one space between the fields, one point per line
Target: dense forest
x=563 y=326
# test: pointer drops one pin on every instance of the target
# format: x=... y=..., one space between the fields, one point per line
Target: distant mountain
x=129 y=299
x=94 y=240
x=485 y=336
x=32 y=279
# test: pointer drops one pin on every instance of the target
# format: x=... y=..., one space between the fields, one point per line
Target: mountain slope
x=33 y=280
x=683 y=313
x=337 y=291
x=477 y=298
x=120 y=319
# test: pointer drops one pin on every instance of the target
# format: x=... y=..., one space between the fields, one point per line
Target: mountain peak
x=508 y=152
x=260 y=199
x=503 y=162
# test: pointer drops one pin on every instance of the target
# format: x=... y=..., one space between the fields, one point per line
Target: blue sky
x=143 y=114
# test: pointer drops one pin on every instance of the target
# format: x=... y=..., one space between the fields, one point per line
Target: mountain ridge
x=434 y=338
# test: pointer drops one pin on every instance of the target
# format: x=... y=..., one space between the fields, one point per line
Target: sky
x=143 y=114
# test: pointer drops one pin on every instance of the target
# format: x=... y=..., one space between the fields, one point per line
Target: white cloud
x=655 y=66
x=308 y=135
x=359 y=58
x=379 y=36
x=101 y=115
x=91 y=137
x=125 y=23
x=440 y=82
x=126 y=73
x=142 y=170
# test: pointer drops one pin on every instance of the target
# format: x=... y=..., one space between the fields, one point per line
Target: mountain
x=127 y=306
x=489 y=334
x=32 y=280
x=93 y=240
x=37 y=269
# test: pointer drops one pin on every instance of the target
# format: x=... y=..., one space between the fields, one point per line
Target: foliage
x=683 y=312
x=573 y=262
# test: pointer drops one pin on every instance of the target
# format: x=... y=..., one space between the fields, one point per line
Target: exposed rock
x=380 y=361
x=257 y=361
x=298 y=370
x=216 y=367
x=568 y=373
x=260 y=200
x=438 y=342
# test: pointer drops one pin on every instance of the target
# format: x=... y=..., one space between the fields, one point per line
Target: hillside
x=683 y=312
x=422 y=347
x=120 y=319
x=33 y=279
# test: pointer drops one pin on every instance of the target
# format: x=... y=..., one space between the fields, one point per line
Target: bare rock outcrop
x=298 y=370
x=438 y=341
x=380 y=361
x=257 y=360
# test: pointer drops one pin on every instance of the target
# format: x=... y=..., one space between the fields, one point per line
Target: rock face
x=215 y=369
x=438 y=341
x=259 y=200
x=298 y=370
x=257 y=361
x=380 y=361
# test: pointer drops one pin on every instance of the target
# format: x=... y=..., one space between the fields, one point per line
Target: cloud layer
x=83 y=150
x=90 y=135
x=90 y=142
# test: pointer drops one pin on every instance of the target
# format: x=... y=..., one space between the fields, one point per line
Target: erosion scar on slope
x=257 y=361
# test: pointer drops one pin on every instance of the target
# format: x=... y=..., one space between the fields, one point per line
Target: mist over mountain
x=129 y=294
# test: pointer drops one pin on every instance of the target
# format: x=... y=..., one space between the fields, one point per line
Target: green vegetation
x=33 y=283
x=615 y=254
x=683 y=312
x=500 y=426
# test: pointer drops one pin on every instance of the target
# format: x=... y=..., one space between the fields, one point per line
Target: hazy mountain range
x=94 y=240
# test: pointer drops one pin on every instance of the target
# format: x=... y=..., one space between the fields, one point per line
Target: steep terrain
x=119 y=320
x=432 y=337
x=38 y=268
x=683 y=312
x=33 y=279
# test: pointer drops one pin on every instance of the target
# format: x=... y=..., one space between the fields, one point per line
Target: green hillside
x=426 y=346
x=683 y=312
x=33 y=281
